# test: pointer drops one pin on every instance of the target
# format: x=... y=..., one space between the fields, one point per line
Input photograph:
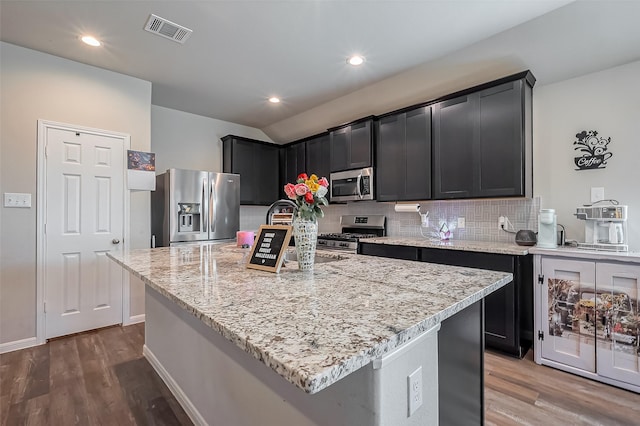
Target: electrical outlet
x=414 y=394
x=461 y=223
x=425 y=220
x=500 y=222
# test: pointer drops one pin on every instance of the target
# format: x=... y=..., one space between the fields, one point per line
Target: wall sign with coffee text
x=594 y=149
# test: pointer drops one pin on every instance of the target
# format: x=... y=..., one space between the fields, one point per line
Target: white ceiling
x=242 y=52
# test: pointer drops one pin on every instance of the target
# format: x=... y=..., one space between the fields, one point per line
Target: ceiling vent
x=167 y=29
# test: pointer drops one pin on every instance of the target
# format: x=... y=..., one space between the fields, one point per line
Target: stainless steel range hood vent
x=167 y=29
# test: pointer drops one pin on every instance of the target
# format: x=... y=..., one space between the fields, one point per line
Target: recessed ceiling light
x=355 y=60
x=274 y=100
x=91 y=41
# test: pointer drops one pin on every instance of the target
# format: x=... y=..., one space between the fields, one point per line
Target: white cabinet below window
x=587 y=317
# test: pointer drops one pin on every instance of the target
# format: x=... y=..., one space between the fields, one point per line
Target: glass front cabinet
x=587 y=318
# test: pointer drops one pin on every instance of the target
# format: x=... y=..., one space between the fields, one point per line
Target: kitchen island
x=335 y=346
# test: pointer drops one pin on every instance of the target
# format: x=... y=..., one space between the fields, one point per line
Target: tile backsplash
x=480 y=216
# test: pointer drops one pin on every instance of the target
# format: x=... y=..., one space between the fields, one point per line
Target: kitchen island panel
x=217 y=383
x=312 y=329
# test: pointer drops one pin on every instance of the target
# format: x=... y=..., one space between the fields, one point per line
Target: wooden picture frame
x=267 y=252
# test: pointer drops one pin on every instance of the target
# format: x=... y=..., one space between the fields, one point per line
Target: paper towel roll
x=407 y=208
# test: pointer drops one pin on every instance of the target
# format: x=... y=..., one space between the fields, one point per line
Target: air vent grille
x=167 y=29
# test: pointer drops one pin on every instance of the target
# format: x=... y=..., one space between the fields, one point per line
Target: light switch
x=20 y=200
x=597 y=194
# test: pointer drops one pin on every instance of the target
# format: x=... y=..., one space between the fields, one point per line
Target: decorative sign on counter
x=594 y=149
x=268 y=249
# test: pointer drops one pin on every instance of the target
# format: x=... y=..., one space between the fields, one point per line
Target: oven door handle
x=358 y=185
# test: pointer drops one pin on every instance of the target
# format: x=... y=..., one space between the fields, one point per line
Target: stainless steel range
x=354 y=228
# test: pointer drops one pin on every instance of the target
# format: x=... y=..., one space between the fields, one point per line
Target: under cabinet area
x=587 y=318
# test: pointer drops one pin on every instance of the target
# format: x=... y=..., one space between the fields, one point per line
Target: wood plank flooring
x=101 y=378
x=94 y=378
x=521 y=392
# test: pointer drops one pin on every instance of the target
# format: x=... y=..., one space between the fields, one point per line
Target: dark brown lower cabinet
x=508 y=312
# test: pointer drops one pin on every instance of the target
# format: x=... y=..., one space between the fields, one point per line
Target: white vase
x=305 y=234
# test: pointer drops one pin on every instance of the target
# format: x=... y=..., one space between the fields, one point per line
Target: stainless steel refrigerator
x=192 y=205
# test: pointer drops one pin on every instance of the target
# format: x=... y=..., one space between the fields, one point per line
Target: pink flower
x=301 y=189
x=290 y=190
x=308 y=197
x=324 y=182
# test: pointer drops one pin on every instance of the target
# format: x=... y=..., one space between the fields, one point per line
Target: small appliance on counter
x=547 y=229
x=354 y=228
x=605 y=227
x=526 y=237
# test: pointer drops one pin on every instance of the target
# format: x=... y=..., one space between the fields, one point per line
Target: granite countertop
x=568 y=251
x=461 y=245
x=311 y=328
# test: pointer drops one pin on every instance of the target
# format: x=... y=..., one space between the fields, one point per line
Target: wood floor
x=521 y=392
x=93 y=378
x=101 y=378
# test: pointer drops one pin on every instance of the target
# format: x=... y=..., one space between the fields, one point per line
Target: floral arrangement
x=309 y=194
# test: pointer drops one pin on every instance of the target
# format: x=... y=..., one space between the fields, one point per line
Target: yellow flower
x=314 y=178
x=313 y=186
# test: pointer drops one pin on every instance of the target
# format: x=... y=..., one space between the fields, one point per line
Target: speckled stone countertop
x=574 y=252
x=461 y=245
x=311 y=328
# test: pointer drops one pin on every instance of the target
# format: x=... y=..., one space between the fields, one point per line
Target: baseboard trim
x=18 y=344
x=135 y=319
x=175 y=389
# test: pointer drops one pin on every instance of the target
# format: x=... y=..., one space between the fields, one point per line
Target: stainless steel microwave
x=352 y=185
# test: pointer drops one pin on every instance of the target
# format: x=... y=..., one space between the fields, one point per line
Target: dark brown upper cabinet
x=258 y=164
x=482 y=142
x=403 y=147
x=352 y=145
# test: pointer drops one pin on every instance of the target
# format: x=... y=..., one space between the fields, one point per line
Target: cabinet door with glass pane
x=569 y=308
x=618 y=349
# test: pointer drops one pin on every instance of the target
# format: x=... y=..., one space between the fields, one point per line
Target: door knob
x=115 y=241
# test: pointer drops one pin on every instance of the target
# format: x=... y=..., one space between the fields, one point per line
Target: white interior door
x=568 y=309
x=84 y=219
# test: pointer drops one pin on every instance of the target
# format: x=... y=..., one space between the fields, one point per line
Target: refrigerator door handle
x=204 y=197
x=212 y=206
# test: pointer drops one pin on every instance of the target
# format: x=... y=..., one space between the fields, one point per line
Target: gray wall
x=606 y=101
x=187 y=141
x=40 y=86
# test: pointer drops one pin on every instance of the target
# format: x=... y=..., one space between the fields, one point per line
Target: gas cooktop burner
x=354 y=228
x=346 y=236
